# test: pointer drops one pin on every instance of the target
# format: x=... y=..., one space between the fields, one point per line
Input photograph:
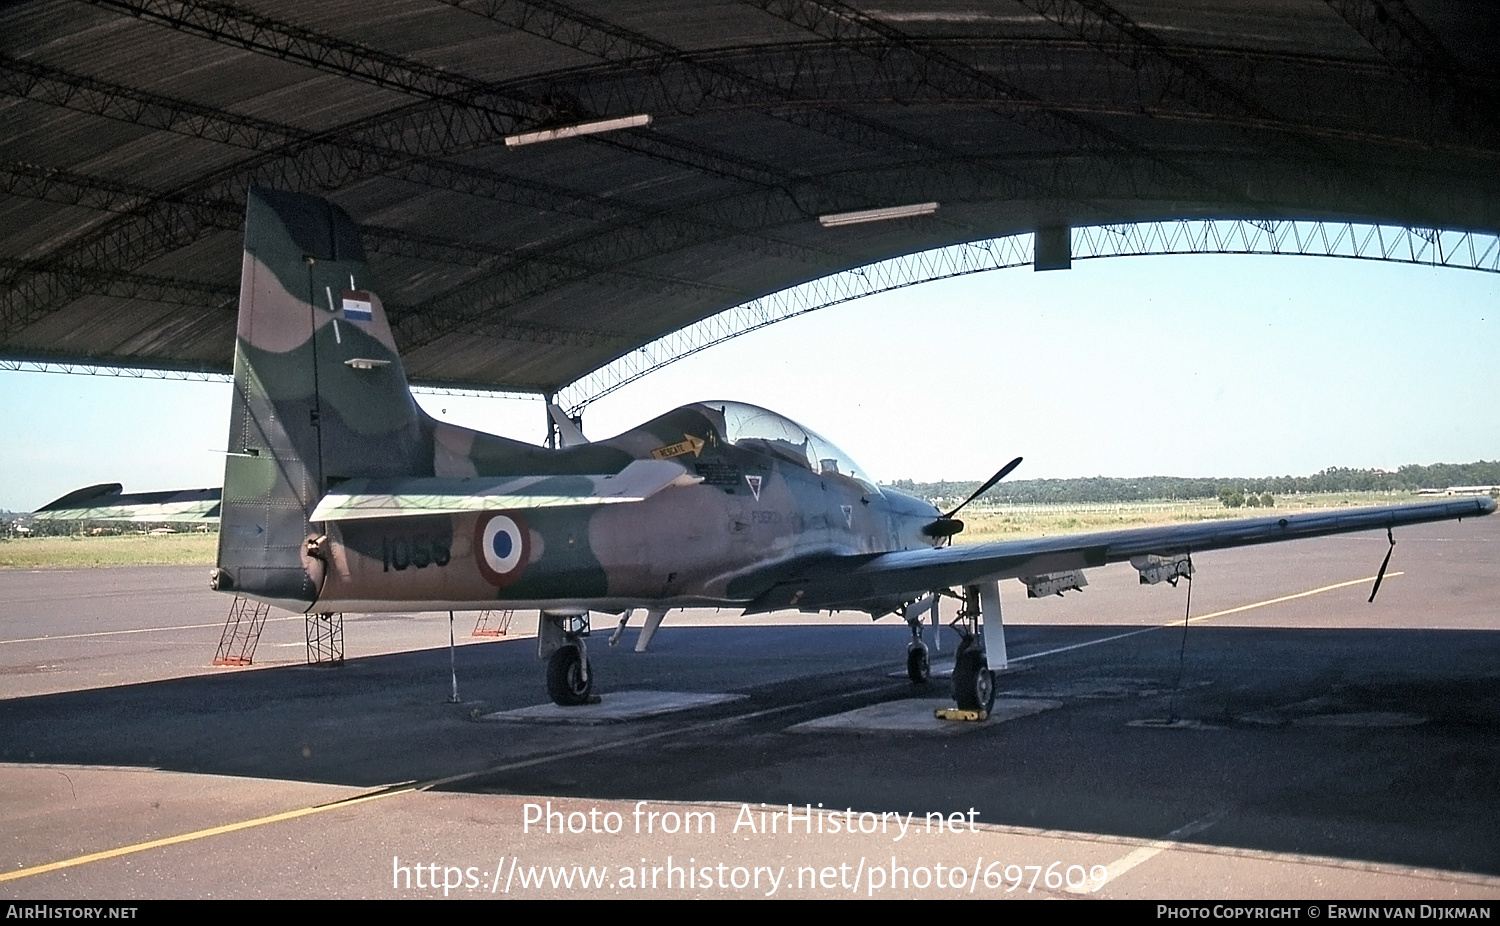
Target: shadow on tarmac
x=1381 y=746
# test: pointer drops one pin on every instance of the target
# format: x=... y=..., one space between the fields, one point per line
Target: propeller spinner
x=947 y=525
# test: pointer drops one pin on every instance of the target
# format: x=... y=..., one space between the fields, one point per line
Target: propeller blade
x=1004 y=471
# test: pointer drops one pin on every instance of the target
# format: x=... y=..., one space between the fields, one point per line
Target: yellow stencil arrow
x=689 y=444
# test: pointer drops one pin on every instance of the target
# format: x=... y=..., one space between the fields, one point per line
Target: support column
x=614 y=638
x=552 y=436
x=241 y=632
x=325 y=639
x=992 y=626
x=653 y=622
x=452 y=660
x=493 y=623
x=937 y=624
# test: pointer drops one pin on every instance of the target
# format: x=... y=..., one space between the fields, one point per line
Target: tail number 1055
x=420 y=551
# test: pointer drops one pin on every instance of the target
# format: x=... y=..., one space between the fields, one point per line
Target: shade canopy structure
x=544 y=187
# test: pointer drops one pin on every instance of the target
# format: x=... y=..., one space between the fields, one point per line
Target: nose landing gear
x=560 y=640
x=569 y=681
x=918 y=667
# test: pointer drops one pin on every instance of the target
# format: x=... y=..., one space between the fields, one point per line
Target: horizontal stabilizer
x=105 y=503
x=393 y=498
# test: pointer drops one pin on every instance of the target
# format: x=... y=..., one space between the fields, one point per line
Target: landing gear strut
x=918 y=664
x=973 y=682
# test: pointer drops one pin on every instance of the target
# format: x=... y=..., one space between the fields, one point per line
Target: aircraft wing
x=852 y=581
x=105 y=502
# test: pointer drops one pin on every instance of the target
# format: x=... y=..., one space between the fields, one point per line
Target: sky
x=1192 y=365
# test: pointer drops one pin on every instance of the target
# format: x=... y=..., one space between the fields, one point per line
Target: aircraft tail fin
x=569 y=430
x=320 y=395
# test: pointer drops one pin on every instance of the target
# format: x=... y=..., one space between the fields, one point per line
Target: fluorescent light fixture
x=877 y=215
x=582 y=128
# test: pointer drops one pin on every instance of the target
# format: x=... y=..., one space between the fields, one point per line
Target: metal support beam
x=510 y=110
x=325 y=639
x=614 y=638
x=1171 y=74
x=553 y=439
x=25 y=365
x=992 y=627
x=1425 y=246
x=1408 y=46
x=1006 y=82
x=492 y=623
x=241 y=632
x=653 y=623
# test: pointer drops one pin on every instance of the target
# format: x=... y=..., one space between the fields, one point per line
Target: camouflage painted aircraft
x=340 y=494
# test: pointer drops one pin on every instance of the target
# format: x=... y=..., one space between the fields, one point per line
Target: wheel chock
x=959 y=714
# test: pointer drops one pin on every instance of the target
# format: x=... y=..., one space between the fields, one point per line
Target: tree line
x=1097 y=489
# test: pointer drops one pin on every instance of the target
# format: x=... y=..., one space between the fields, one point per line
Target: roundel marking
x=502 y=547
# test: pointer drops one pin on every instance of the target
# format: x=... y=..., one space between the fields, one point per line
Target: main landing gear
x=973 y=682
x=560 y=640
x=978 y=619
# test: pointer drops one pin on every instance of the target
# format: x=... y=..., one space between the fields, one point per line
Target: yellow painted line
x=1205 y=617
x=1307 y=594
x=417 y=786
x=201 y=834
x=309 y=811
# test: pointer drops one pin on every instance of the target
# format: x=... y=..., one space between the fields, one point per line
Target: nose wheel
x=569 y=681
x=918 y=666
x=918 y=663
x=561 y=642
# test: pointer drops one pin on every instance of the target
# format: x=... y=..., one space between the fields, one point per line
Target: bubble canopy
x=764 y=431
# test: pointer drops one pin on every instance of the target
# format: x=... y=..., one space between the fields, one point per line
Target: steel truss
x=806 y=84
x=1425 y=246
x=14 y=365
x=1428 y=246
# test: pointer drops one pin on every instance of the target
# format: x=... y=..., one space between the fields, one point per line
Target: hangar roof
x=131 y=130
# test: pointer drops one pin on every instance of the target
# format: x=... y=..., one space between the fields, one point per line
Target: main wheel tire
x=973 y=683
x=567 y=682
x=918 y=667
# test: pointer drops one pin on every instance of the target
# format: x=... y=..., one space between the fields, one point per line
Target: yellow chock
x=954 y=713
